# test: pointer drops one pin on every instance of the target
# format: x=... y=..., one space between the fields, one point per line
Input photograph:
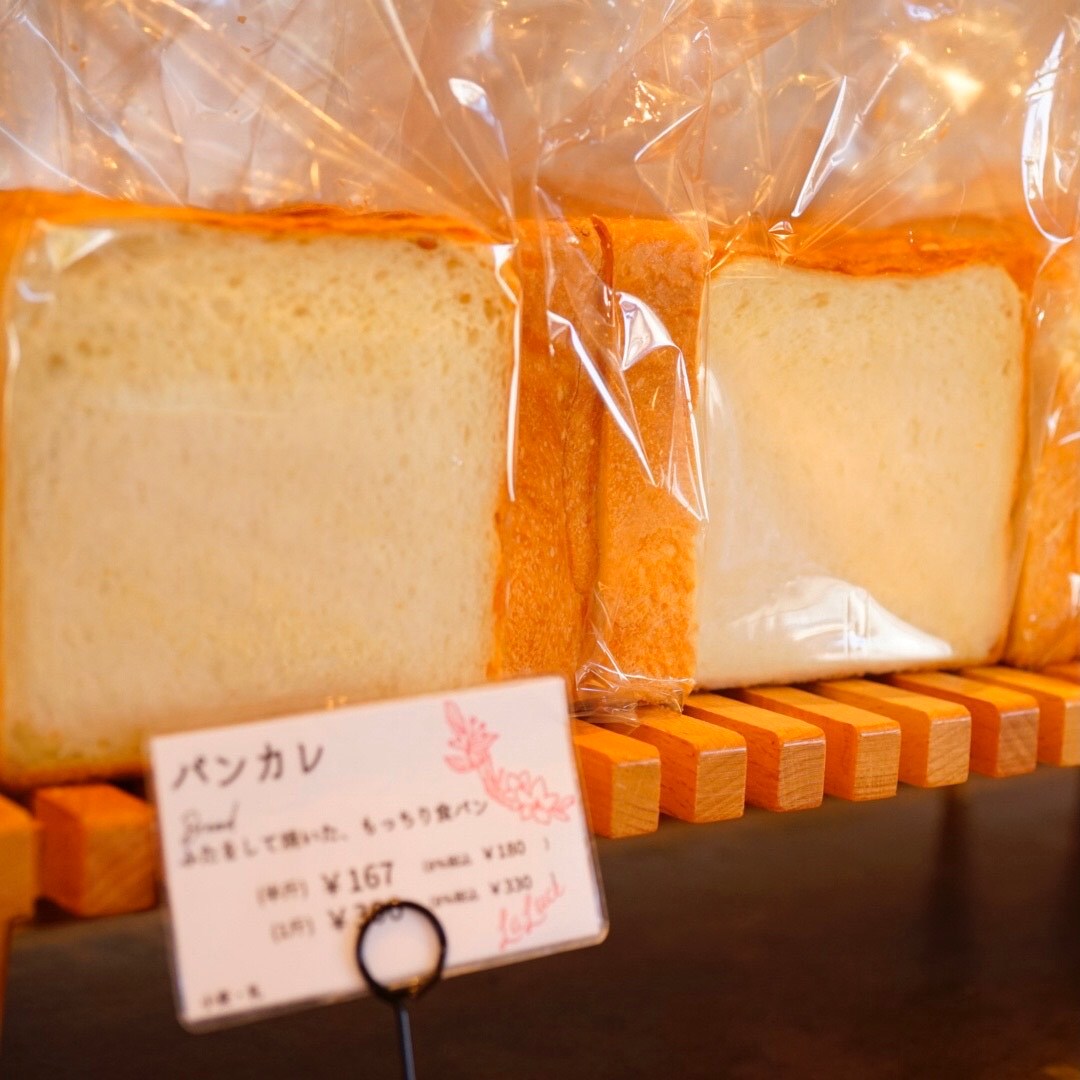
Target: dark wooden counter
x=936 y=934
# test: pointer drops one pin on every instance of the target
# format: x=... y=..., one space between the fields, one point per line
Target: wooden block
x=862 y=749
x=702 y=766
x=785 y=762
x=1059 y=709
x=98 y=853
x=6 y=927
x=18 y=877
x=18 y=862
x=1004 y=722
x=935 y=735
x=1070 y=671
x=621 y=780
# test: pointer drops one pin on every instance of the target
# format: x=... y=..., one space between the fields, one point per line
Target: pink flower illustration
x=471 y=739
x=520 y=792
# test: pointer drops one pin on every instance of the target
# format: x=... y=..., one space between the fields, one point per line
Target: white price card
x=280 y=837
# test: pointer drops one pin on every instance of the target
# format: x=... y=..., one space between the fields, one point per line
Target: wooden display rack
x=1059 y=709
x=702 y=766
x=935 y=735
x=1004 y=721
x=785 y=757
x=91 y=849
x=862 y=748
x=620 y=778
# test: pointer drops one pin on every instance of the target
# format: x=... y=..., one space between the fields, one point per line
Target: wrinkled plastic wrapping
x=886 y=188
x=570 y=453
x=179 y=363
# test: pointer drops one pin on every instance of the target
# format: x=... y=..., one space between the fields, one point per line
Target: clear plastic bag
x=652 y=506
x=884 y=186
x=239 y=482
x=629 y=177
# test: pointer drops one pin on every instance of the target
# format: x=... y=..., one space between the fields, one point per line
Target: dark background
x=936 y=934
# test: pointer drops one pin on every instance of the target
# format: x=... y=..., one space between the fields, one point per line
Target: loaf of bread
x=865 y=441
x=254 y=465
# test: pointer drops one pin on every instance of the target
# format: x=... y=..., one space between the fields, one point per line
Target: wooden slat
x=98 y=853
x=862 y=749
x=702 y=766
x=18 y=877
x=18 y=861
x=1069 y=671
x=621 y=780
x=935 y=741
x=785 y=765
x=1004 y=722
x=1059 y=709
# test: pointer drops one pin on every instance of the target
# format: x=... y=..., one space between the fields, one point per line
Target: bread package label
x=282 y=839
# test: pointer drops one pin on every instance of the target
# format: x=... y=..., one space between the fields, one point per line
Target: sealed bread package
x=874 y=393
x=275 y=493
x=290 y=489
x=311 y=354
x=293 y=488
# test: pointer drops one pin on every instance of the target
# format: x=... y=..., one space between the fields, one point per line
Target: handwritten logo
x=526 y=795
x=515 y=927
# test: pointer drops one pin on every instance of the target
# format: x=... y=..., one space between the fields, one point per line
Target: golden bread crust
x=547 y=528
x=1045 y=627
x=644 y=620
x=921 y=246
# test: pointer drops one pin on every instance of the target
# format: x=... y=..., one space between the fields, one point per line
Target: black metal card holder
x=399 y=995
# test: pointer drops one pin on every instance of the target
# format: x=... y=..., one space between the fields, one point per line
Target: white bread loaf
x=864 y=447
x=245 y=472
